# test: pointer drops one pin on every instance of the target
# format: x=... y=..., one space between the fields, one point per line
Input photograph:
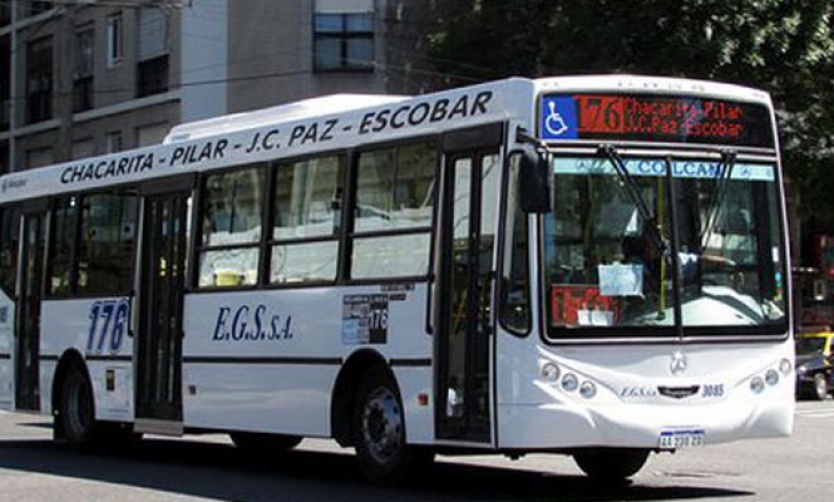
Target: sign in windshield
x=651 y=117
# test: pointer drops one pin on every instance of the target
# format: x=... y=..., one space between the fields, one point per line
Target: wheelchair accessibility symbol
x=558 y=118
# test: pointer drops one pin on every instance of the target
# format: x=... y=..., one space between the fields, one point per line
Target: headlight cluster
x=569 y=382
x=770 y=377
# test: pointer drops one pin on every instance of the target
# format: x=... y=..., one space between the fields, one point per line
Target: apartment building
x=88 y=77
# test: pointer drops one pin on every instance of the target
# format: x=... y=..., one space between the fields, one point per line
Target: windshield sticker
x=621 y=279
x=657 y=167
x=568 y=300
x=595 y=318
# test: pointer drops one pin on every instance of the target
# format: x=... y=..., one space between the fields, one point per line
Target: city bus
x=593 y=266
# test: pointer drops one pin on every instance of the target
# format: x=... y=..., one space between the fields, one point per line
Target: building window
x=39 y=80
x=344 y=41
x=152 y=52
x=115 y=42
x=113 y=142
x=82 y=74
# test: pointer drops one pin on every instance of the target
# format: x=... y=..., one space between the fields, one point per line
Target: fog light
x=588 y=390
x=550 y=373
x=785 y=367
x=570 y=382
x=772 y=377
x=757 y=385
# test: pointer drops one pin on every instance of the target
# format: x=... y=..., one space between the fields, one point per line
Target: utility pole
x=13 y=89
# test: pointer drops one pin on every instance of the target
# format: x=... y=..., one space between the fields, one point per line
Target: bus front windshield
x=636 y=245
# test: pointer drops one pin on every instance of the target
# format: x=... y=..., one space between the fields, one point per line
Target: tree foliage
x=783 y=46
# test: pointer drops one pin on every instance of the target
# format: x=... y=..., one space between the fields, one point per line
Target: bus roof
x=334 y=103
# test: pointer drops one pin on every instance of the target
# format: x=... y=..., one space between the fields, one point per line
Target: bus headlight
x=550 y=373
x=772 y=377
x=785 y=367
x=588 y=390
x=570 y=382
x=757 y=385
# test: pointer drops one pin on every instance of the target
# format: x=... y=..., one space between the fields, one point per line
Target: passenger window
x=108 y=236
x=61 y=249
x=232 y=219
x=395 y=196
x=307 y=213
x=9 y=239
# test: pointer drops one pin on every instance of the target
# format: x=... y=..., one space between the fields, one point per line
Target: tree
x=783 y=46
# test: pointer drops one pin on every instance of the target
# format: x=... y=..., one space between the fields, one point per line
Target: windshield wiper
x=725 y=171
x=610 y=152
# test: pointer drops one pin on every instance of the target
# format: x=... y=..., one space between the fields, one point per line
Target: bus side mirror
x=535 y=182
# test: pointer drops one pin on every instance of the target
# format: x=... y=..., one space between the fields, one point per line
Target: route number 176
x=108 y=325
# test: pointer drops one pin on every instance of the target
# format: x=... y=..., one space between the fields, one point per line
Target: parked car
x=814 y=376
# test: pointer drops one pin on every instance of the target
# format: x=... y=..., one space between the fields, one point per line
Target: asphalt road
x=210 y=468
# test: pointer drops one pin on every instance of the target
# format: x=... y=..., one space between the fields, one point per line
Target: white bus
x=593 y=266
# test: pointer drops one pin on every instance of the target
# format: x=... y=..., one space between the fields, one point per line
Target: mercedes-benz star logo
x=679 y=363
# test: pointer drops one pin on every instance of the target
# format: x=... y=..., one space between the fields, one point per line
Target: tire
x=820 y=390
x=264 y=443
x=379 y=433
x=77 y=409
x=611 y=464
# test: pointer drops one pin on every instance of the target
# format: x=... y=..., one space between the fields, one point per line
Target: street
x=210 y=468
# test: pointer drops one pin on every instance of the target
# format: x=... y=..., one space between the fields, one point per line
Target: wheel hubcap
x=382 y=425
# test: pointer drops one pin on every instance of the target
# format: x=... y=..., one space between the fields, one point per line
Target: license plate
x=671 y=440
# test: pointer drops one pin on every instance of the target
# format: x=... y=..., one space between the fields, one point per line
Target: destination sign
x=655 y=118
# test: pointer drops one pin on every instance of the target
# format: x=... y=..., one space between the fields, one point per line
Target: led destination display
x=635 y=117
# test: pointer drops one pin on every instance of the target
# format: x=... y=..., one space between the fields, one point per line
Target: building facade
x=89 y=77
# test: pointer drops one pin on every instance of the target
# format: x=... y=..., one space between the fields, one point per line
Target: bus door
x=30 y=294
x=463 y=340
x=162 y=281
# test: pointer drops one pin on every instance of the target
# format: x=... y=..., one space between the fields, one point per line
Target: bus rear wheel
x=611 y=464
x=379 y=433
x=77 y=412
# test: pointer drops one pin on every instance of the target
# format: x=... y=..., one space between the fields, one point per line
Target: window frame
x=198 y=233
x=83 y=71
x=13 y=211
x=350 y=235
x=345 y=159
x=74 y=255
x=343 y=37
x=39 y=105
x=115 y=39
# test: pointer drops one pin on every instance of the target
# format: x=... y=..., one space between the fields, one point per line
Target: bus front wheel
x=379 y=432
x=611 y=464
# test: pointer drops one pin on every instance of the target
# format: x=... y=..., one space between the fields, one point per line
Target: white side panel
x=268 y=360
x=99 y=330
x=7 y=310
